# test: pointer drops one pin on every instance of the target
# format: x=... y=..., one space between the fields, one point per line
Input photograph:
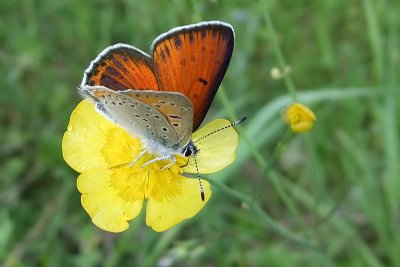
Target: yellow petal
x=92 y=142
x=302 y=127
x=162 y=215
x=217 y=150
x=85 y=138
x=107 y=206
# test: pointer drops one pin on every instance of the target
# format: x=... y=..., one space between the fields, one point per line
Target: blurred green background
x=330 y=197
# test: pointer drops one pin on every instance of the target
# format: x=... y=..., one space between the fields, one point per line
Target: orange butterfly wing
x=121 y=67
x=193 y=60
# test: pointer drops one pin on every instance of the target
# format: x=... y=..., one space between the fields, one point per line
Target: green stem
x=278 y=53
x=223 y=97
x=263 y=215
x=278 y=148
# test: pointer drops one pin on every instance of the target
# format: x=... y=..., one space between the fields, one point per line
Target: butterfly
x=162 y=98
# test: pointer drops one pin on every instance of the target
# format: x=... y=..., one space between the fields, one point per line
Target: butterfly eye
x=188 y=152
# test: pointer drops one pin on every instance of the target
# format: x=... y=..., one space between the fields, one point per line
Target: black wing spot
x=147 y=114
x=132 y=105
x=137 y=116
x=177 y=42
x=167 y=50
x=162 y=102
x=164 y=129
x=148 y=126
x=144 y=119
x=175 y=124
x=120 y=103
x=191 y=37
x=149 y=108
x=157 y=105
x=172 y=116
x=203 y=81
x=214 y=33
x=164 y=136
x=162 y=54
x=112 y=102
x=156 y=116
x=172 y=103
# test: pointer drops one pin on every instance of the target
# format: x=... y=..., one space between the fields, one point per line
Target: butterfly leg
x=138 y=157
x=173 y=161
x=171 y=157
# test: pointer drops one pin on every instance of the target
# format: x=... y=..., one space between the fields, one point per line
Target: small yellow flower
x=299 y=117
x=113 y=192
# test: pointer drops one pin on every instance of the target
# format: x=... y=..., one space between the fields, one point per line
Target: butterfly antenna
x=223 y=128
x=198 y=177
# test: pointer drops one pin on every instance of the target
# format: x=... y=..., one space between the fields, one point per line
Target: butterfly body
x=161 y=120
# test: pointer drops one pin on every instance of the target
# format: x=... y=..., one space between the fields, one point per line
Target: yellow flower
x=113 y=192
x=299 y=117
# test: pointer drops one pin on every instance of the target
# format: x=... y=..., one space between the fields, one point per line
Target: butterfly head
x=190 y=150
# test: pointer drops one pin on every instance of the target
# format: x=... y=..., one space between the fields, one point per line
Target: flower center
x=136 y=182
